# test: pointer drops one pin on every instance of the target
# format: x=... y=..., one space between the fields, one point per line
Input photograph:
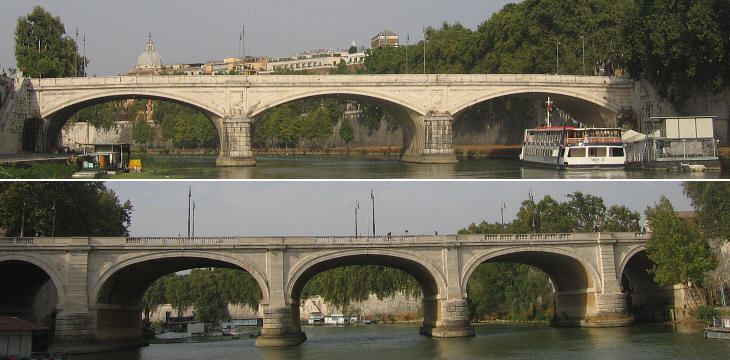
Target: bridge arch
x=116 y=296
x=375 y=97
x=646 y=300
x=407 y=112
x=421 y=270
x=175 y=261
x=31 y=289
x=57 y=112
x=55 y=108
x=461 y=105
x=37 y=261
x=431 y=280
x=576 y=279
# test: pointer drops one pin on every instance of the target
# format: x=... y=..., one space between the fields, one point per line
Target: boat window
x=575 y=153
x=617 y=152
x=597 y=152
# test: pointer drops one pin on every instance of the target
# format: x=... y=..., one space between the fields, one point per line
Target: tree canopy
x=677 y=247
x=208 y=291
x=711 y=201
x=42 y=48
x=81 y=209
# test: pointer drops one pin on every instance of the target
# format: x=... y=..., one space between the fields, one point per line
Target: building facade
x=385 y=38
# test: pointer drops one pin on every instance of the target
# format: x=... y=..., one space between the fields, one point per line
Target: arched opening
x=375 y=124
x=428 y=281
x=120 y=292
x=571 y=284
x=646 y=300
x=495 y=124
x=142 y=118
x=29 y=293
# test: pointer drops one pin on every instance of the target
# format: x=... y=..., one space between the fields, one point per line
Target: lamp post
x=357 y=207
x=372 y=197
x=501 y=211
x=22 y=221
x=193 y=218
x=408 y=40
x=190 y=195
x=425 y=43
x=53 y=227
x=76 y=54
x=83 y=69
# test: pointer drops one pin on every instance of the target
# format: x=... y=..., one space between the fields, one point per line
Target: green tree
x=680 y=46
x=208 y=291
x=711 y=201
x=142 y=133
x=347 y=133
x=340 y=69
x=42 y=48
x=81 y=209
x=317 y=127
x=352 y=50
x=344 y=285
x=681 y=254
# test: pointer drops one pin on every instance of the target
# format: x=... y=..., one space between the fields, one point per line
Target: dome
x=149 y=59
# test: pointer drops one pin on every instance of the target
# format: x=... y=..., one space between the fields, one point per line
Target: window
x=617 y=152
x=577 y=153
x=597 y=152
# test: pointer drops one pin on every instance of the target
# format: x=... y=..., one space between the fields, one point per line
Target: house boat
x=673 y=143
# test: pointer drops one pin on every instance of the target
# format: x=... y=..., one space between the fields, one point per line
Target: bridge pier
x=438 y=141
x=454 y=319
x=281 y=327
x=236 y=140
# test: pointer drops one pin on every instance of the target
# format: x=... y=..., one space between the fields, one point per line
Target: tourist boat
x=568 y=147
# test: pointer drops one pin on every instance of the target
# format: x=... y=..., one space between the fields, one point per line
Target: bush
x=706 y=313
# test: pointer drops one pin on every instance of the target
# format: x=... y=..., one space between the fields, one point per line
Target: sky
x=293 y=208
x=191 y=31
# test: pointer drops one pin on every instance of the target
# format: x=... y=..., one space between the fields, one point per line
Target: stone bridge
x=89 y=290
x=424 y=105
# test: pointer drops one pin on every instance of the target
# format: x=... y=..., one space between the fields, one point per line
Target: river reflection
x=360 y=167
x=499 y=341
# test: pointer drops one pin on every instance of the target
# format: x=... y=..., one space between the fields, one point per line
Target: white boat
x=567 y=147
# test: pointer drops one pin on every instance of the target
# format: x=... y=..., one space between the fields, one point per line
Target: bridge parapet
x=296 y=80
x=394 y=240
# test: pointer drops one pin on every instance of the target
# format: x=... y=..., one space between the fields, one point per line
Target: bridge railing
x=162 y=241
x=364 y=239
x=17 y=241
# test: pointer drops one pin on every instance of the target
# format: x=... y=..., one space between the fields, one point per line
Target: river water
x=380 y=342
x=367 y=167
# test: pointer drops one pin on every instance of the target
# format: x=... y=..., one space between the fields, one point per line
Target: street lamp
x=501 y=211
x=425 y=43
x=357 y=207
x=372 y=197
x=53 y=227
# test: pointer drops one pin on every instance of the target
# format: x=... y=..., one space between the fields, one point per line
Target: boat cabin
x=673 y=142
